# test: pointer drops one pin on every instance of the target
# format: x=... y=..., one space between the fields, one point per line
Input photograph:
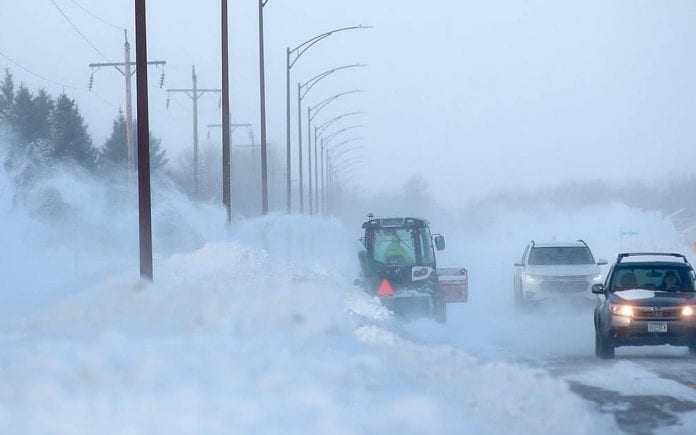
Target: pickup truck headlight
x=621 y=310
x=687 y=311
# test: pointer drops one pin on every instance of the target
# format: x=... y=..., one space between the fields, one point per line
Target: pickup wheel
x=604 y=349
x=439 y=310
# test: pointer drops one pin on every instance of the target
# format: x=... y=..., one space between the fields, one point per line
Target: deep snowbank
x=240 y=337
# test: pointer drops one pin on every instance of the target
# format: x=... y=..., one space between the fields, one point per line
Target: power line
x=95 y=16
x=53 y=82
x=38 y=76
x=77 y=30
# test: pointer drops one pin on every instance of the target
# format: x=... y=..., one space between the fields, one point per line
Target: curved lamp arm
x=302 y=48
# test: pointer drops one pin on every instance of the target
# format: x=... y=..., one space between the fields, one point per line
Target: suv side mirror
x=440 y=242
x=602 y=262
x=598 y=289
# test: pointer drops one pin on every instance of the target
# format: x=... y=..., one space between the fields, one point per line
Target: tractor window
x=428 y=256
x=394 y=246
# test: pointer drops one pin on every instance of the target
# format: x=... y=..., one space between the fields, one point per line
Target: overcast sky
x=474 y=95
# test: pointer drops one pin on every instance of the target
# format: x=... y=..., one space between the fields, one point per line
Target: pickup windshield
x=560 y=255
x=662 y=278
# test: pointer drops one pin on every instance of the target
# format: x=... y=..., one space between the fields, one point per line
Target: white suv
x=551 y=271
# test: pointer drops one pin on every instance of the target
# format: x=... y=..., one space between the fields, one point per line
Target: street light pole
x=309 y=158
x=299 y=144
x=324 y=181
x=290 y=62
x=302 y=91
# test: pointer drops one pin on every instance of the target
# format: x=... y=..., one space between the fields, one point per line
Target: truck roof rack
x=651 y=254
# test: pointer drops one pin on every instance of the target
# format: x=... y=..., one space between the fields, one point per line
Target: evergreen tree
x=7 y=96
x=69 y=134
x=41 y=119
x=158 y=156
x=22 y=115
x=115 y=151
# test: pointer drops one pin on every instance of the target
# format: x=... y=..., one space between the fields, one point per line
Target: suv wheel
x=604 y=349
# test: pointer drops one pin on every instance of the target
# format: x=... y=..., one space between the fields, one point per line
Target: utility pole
x=144 y=199
x=226 y=170
x=195 y=94
x=126 y=69
x=262 y=84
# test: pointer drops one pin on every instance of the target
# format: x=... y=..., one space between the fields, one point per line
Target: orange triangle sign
x=385 y=289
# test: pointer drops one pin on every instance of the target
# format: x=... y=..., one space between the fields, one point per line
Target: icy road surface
x=262 y=332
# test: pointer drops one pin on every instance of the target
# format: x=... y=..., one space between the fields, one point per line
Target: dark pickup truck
x=399 y=266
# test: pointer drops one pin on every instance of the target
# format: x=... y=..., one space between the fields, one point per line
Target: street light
x=290 y=62
x=333 y=172
x=325 y=142
x=302 y=91
x=317 y=131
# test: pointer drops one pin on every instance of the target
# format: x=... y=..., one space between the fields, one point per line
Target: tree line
x=44 y=130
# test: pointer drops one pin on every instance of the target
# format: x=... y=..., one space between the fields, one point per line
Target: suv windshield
x=556 y=255
x=663 y=278
x=395 y=246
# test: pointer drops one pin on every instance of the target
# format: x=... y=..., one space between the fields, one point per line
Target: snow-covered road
x=262 y=332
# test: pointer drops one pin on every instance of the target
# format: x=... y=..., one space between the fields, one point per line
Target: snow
x=259 y=329
x=635 y=294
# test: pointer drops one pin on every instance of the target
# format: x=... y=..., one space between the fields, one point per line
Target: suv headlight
x=621 y=310
x=532 y=279
x=687 y=311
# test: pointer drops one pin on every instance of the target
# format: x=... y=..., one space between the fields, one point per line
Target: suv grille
x=662 y=313
x=566 y=284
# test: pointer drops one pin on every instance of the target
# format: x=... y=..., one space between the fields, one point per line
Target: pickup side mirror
x=602 y=262
x=598 y=289
x=440 y=242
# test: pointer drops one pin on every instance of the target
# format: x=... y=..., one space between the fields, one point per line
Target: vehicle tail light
x=385 y=289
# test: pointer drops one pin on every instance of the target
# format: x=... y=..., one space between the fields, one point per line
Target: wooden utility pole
x=195 y=94
x=226 y=163
x=126 y=69
x=262 y=84
x=144 y=199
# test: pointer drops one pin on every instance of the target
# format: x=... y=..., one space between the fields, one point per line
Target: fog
x=473 y=96
x=499 y=122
